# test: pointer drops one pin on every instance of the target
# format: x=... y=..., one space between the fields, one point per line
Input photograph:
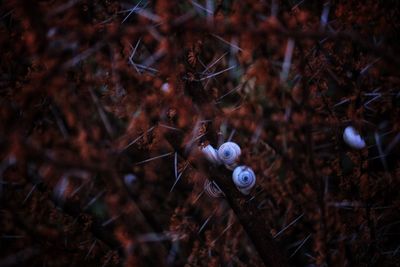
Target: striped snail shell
x=244 y=179
x=352 y=138
x=229 y=153
x=212 y=189
x=211 y=154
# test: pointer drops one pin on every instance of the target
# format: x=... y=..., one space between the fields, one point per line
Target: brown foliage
x=104 y=104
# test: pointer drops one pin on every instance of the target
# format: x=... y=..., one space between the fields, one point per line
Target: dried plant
x=104 y=106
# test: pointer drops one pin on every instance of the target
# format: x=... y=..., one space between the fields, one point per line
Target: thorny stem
x=251 y=219
x=249 y=215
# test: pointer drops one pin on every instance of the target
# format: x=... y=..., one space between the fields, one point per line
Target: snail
x=352 y=138
x=244 y=179
x=229 y=153
x=212 y=189
x=211 y=154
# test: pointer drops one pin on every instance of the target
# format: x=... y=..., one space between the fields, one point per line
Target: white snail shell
x=229 y=153
x=352 y=138
x=212 y=189
x=244 y=179
x=211 y=154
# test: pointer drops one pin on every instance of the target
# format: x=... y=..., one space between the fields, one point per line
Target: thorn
x=288 y=59
x=63 y=7
x=366 y=104
x=7 y=13
x=231 y=135
x=133 y=54
x=106 y=261
x=300 y=246
x=194 y=132
x=78 y=189
x=229 y=92
x=366 y=68
x=378 y=157
x=147 y=14
x=309 y=256
x=153 y=237
x=222 y=233
x=210 y=6
x=323 y=146
x=91 y=248
x=153 y=158
x=82 y=56
x=381 y=154
x=209 y=12
x=342 y=102
x=134 y=49
x=257 y=134
x=110 y=220
x=183 y=18
x=93 y=200
x=138 y=138
x=132 y=10
x=205 y=223
x=217 y=73
x=179 y=176
x=59 y=122
x=102 y=115
x=215 y=62
x=286 y=227
x=198 y=197
x=29 y=194
x=134 y=65
x=153 y=31
x=153 y=58
x=176 y=165
x=226 y=42
x=297 y=5
x=169 y=127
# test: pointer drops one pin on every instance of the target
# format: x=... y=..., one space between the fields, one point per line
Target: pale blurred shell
x=352 y=138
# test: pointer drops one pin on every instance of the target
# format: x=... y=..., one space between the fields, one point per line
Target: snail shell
x=212 y=189
x=244 y=179
x=211 y=154
x=229 y=153
x=352 y=138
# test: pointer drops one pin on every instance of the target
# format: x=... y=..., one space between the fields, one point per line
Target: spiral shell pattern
x=229 y=153
x=212 y=189
x=244 y=179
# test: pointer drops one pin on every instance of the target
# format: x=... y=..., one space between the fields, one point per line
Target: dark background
x=91 y=145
